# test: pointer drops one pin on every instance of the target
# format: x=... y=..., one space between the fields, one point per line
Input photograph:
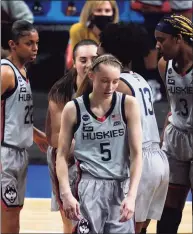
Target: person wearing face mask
x=95 y=15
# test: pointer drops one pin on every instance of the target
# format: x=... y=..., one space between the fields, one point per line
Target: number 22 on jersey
x=28 y=119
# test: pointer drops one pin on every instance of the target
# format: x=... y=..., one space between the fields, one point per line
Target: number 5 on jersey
x=106 y=151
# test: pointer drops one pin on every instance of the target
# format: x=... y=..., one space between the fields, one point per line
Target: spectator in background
x=94 y=16
x=15 y=10
x=163 y=6
x=10 y=12
x=152 y=12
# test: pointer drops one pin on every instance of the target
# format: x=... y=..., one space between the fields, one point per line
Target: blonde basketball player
x=106 y=127
x=132 y=41
x=62 y=92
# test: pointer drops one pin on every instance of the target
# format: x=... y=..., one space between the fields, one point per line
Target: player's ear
x=12 y=44
x=73 y=62
x=178 y=38
x=90 y=75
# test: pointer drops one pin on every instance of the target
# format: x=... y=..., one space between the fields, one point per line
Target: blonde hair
x=90 y=5
x=107 y=59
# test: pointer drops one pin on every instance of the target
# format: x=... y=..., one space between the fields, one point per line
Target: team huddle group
x=110 y=171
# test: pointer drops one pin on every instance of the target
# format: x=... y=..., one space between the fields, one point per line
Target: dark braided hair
x=182 y=25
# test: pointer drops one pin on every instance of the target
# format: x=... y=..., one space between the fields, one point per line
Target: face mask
x=101 y=21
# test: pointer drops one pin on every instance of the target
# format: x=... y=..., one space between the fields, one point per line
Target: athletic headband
x=105 y=59
x=166 y=28
x=176 y=24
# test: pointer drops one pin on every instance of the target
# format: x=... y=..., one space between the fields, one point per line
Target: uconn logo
x=85 y=117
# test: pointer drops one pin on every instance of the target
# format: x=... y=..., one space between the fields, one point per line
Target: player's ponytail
x=85 y=87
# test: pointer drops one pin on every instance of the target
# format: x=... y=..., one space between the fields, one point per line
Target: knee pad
x=170 y=221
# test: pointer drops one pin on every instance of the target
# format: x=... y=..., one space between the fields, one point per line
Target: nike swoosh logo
x=86 y=123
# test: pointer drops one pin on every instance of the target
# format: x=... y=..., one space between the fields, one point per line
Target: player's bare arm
x=162 y=68
x=7 y=79
x=162 y=71
x=39 y=138
x=68 y=120
x=132 y=112
x=53 y=121
x=123 y=88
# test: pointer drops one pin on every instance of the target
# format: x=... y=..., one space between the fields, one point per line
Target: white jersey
x=17 y=112
x=142 y=91
x=180 y=92
x=101 y=145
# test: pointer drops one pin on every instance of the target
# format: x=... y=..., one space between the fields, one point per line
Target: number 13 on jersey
x=147 y=101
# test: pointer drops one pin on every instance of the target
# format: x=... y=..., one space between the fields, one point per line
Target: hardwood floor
x=36 y=217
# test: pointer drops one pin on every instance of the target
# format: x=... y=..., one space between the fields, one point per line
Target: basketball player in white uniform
x=17 y=131
x=155 y=174
x=62 y=92
x=152 y=12
x=174 y=35
x=105 y=125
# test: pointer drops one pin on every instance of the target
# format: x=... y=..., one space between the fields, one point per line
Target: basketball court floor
x=36 y=216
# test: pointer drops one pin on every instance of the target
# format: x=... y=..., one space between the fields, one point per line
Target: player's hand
x=71 y=208
x=42 y=144
x=41 y=140
x=127 y=208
